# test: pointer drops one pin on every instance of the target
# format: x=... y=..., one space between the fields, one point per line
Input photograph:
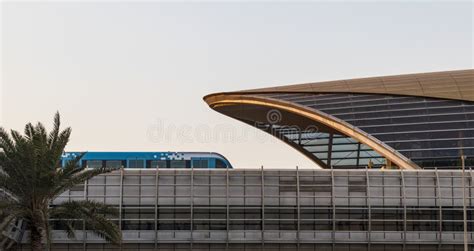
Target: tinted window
x=113 y=163
x=94 y=163
x=220 y=164
x=158 y=164
x=201 y=163
x=136 y=163
x=178 y=164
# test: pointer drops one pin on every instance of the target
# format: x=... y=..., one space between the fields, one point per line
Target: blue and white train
x=208 y=160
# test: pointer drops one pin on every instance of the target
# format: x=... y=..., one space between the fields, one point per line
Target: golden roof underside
x=447 y=85
x=248 y=105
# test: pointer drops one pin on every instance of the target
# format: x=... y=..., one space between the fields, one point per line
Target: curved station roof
x=408 y=121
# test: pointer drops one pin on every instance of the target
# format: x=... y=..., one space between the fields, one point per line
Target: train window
x=178 y=164
x=113 y=163
x=158 y=164
x=136 y=163
x=94 y=163
x=220 y=164
x=203 y=163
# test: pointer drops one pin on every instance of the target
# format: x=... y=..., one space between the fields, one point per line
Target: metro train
x=207 y=160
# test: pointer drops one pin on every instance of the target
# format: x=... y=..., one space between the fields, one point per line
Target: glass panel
x=113 y=163
x=200 y=164
x=94 y=163
x=158 y=164
x=178 y=164
x=394 y=120
x=136 y=163
x=220 y=164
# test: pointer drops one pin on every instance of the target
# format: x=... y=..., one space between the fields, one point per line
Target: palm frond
x=31 y=177
x=29 y=131
x=6 y=143
x=5 y=221
x=17 y=137
x=70 y=229
x=53 y=135
x=9 y=212
x=78 y=178
x=94 y=214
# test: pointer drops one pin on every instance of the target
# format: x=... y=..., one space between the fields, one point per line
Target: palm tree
x=31 y=177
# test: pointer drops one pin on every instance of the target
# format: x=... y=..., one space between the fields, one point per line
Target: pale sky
x=123 y=75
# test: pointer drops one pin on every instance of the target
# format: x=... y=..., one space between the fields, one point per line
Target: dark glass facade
x=431 y=132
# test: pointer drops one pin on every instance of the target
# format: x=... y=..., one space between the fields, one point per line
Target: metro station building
x=409 y=122
x=396 y=155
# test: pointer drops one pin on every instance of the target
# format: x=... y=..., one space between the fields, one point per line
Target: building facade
x=408 y=121
x=275 y=209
